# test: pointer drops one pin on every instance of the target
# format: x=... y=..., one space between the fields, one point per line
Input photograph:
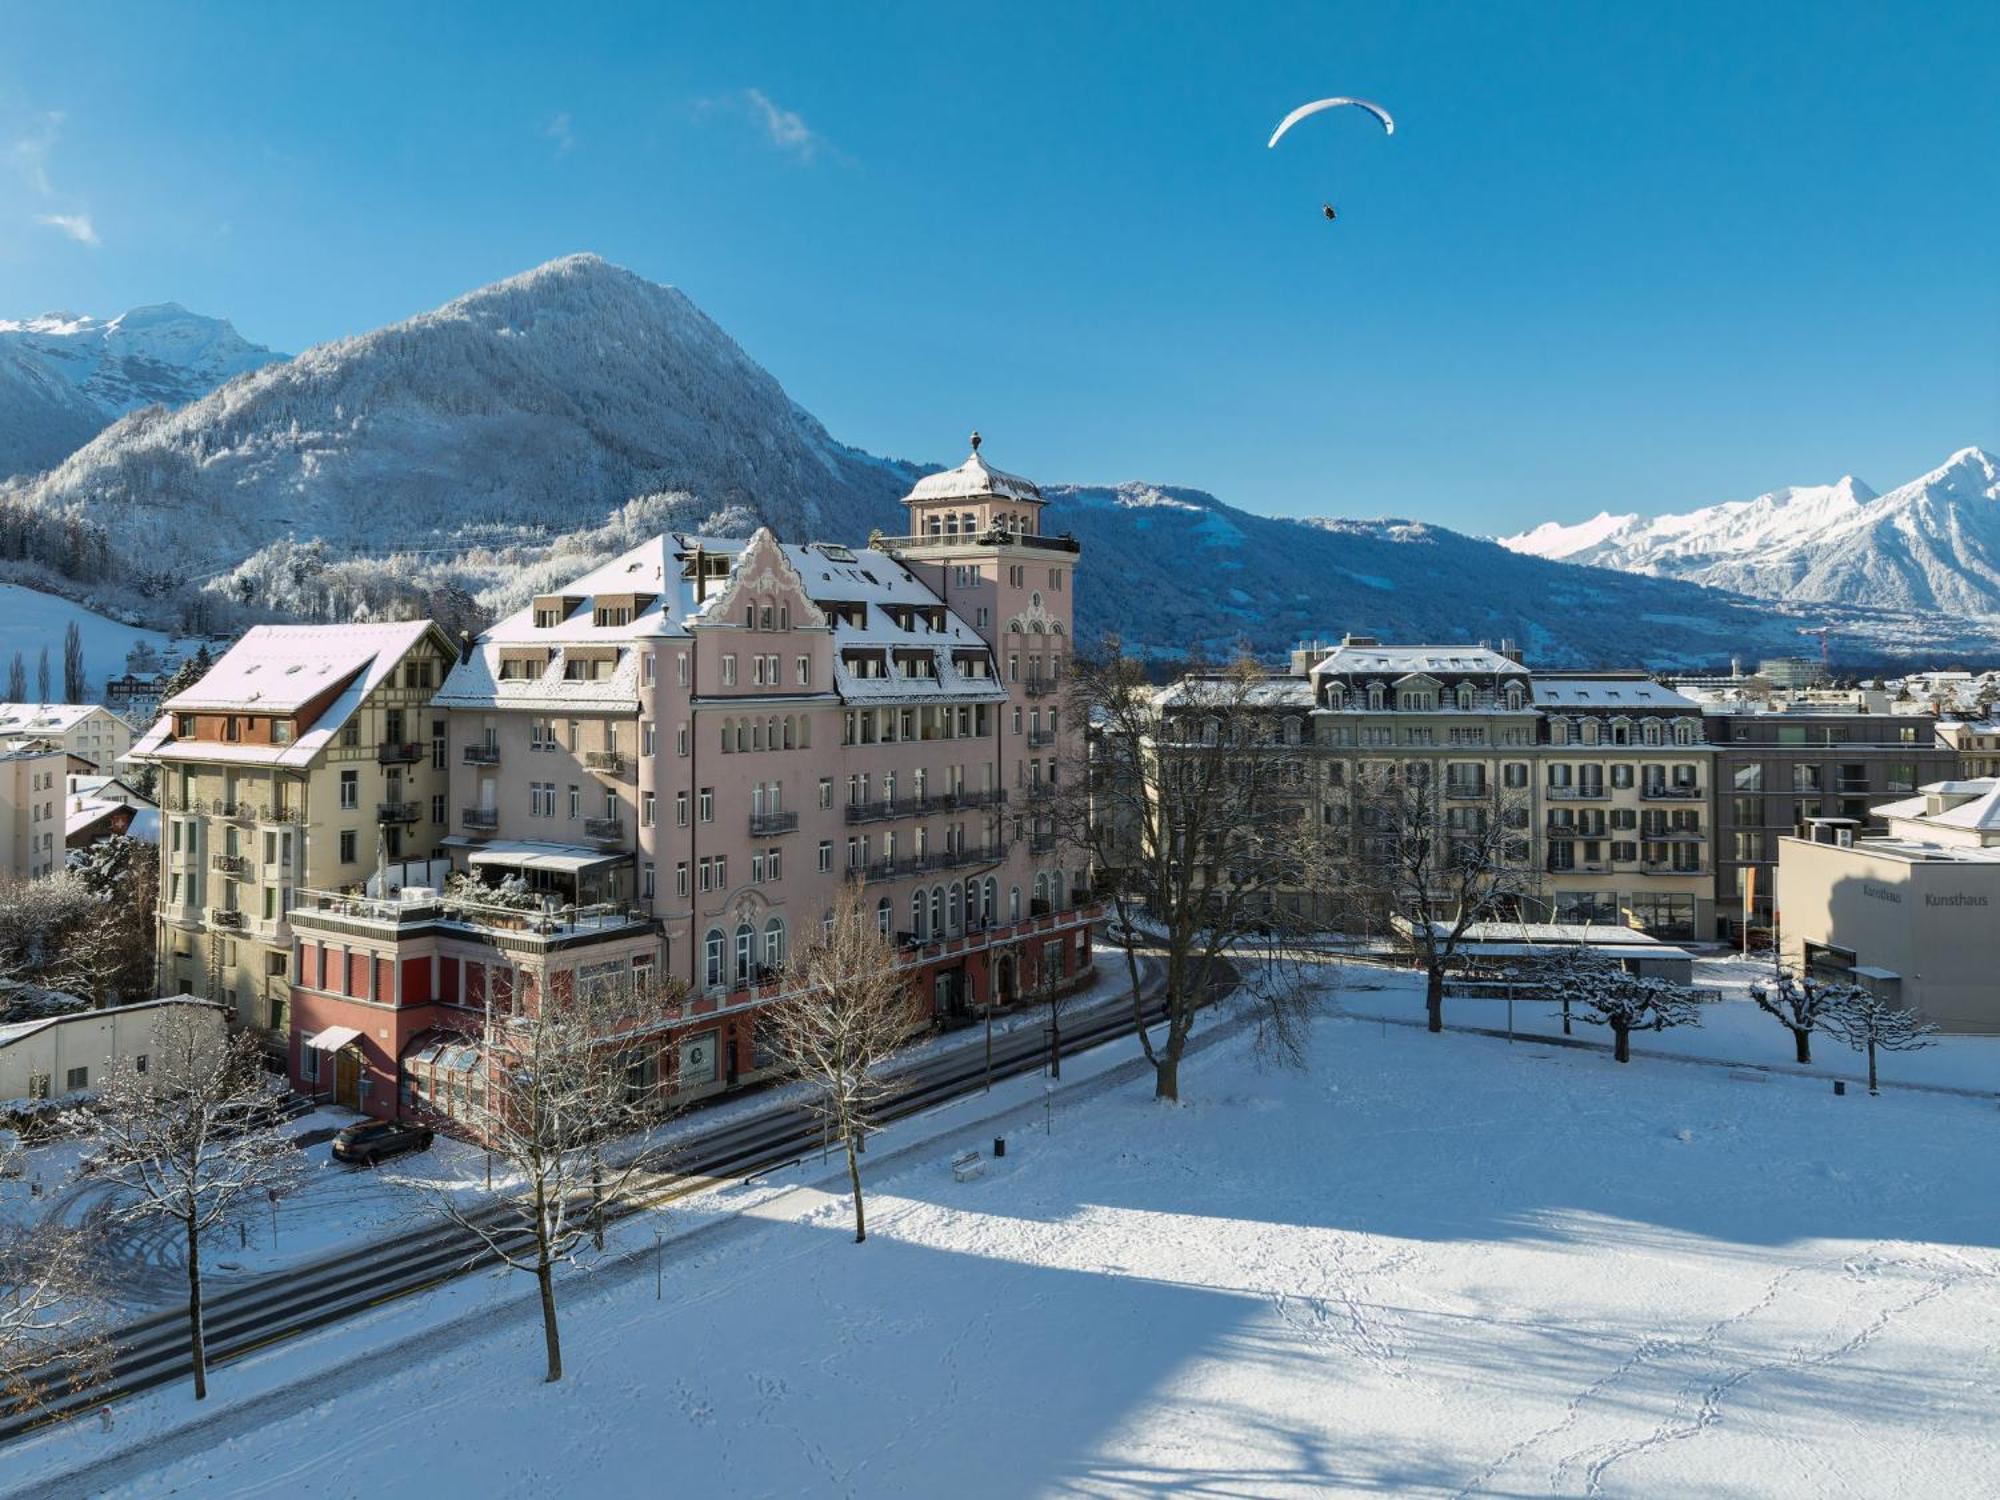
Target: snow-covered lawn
x=31 y=620
x=1731 y=1030
x=1428 y=1265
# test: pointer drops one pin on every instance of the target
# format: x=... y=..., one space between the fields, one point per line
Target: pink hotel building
x=685 y=751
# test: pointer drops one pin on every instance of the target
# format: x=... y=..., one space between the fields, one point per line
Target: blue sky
x=1615 y=255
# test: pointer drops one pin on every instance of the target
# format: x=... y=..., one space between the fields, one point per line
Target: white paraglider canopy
x=1388 y=125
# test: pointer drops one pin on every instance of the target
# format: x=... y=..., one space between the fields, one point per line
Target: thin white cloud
x=77 y=226
x=786 y=129
x=28 y=153
x=560 y=130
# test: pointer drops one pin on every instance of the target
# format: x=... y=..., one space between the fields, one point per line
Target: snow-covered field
x=1427 y=1265
x=30 y=620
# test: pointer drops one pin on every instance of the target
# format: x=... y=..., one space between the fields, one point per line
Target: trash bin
x=999 y=1145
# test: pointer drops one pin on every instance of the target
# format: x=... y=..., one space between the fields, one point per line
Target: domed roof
x=975 y=479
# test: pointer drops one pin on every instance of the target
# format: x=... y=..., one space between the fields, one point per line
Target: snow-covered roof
x=1272 y=692
x=975 y=479
x=45 y=718
x=278 y=669
x=1606 y=692
x=1402 y=660
x=826 y=573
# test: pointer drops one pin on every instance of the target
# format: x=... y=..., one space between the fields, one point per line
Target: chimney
x=700 y=574
x=464 y=647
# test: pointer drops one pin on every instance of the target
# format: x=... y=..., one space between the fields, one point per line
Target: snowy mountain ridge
x=64 y=377
x=528 y=430
x=1930 y=544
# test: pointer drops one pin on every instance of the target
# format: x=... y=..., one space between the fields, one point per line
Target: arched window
x=742 y=734
x=954 y=918
x=918 y=928
x=1375 y=696
x=771 y=733
x=1013 y=903
x=1513 y=697
x=774 y=944
x=790 y=729
x=989 y=905
x=883 y=916
x=756 y=736
x=712 y=951
x=1465 y=695
x=806 y=732
x=1056 y=884
x=937 y=911
x=746 y=951
x=971 y=903
x=1042 y=888
x=728 y=740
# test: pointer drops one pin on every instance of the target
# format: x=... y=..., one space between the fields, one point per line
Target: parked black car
x=372 y=1141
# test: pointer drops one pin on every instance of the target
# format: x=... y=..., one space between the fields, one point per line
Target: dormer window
x=1375 y=696
x=1513 y=697
x=1465 y=695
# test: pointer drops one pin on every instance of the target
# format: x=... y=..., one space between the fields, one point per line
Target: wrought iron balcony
x=482 y=755
x=606 y=762
x=218 y=917
x=604 y=830
x=1039 y=739
x=763 y=825
x=1039 y=687
x=394 y=753
x=1041 y=843
x=398 y=812
x=1659 y=792
x=487 y=818
x=229 y=864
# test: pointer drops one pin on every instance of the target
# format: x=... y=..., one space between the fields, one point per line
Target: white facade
x=60 y=1055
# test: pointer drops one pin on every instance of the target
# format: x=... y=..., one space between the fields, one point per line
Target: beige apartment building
x=85 y=730
x=31 y=809
x=1908 y=913
x=306 y=758
x=679 y=757
x=1976 y=742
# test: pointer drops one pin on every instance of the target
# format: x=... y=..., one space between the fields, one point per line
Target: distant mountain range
x=1931 y=544
x=64 y=378
x=460 y=460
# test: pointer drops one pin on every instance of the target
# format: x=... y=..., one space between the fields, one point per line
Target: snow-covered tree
x=43 y=689
x=50 y=1302
x=1800 y=1003
x=1191 y=803
x=558 y=1086
x=1601 y=991
x=184 y=1132
x=847 y=1006
x=1442 y=864
x=1868 y=1023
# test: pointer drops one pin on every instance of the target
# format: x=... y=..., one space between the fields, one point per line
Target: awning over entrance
x=528 y=854
x=334 y=1038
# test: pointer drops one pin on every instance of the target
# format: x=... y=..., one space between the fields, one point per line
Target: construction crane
x=1822 y=631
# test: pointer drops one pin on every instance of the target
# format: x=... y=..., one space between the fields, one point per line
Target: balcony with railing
x=1465 y=791
x=921 y=807
x=934 y=861
x=1577 y=793
x=225 y=917
x=229 y=864
x=354 y=913
x=604 y=830
x=1659 y=791
x=482 y=755
x=1041 y=739
x=398 y=812
x=480 y=819
x=1041 y=843
x=768 y=824
x=1039 y=687
x=1667 y=867
x=398 y=753
x=607 y=763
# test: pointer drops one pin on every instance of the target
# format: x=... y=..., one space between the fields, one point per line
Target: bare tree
x=1800 y=1005
x=51 y=1306
x=1191 y=802
x=562 y=1082
x=847 y=1007
x=1603 y=992
x=1868 y=1023
x=75 y=688
x=1442 y=858
x=185 y=1132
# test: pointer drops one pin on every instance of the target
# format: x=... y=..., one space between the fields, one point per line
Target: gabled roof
x=46 y=718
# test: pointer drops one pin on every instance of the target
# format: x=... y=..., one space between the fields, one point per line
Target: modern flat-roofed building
x=1908 y=912
x=1777 y=768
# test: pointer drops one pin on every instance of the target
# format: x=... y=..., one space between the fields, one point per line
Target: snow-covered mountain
x=64 y=378
x=459 y=460
x=1931 y=544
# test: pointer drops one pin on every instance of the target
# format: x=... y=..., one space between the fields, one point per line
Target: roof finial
x=975 y=442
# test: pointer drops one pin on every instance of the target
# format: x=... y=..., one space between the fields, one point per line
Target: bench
x=967 y=1165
